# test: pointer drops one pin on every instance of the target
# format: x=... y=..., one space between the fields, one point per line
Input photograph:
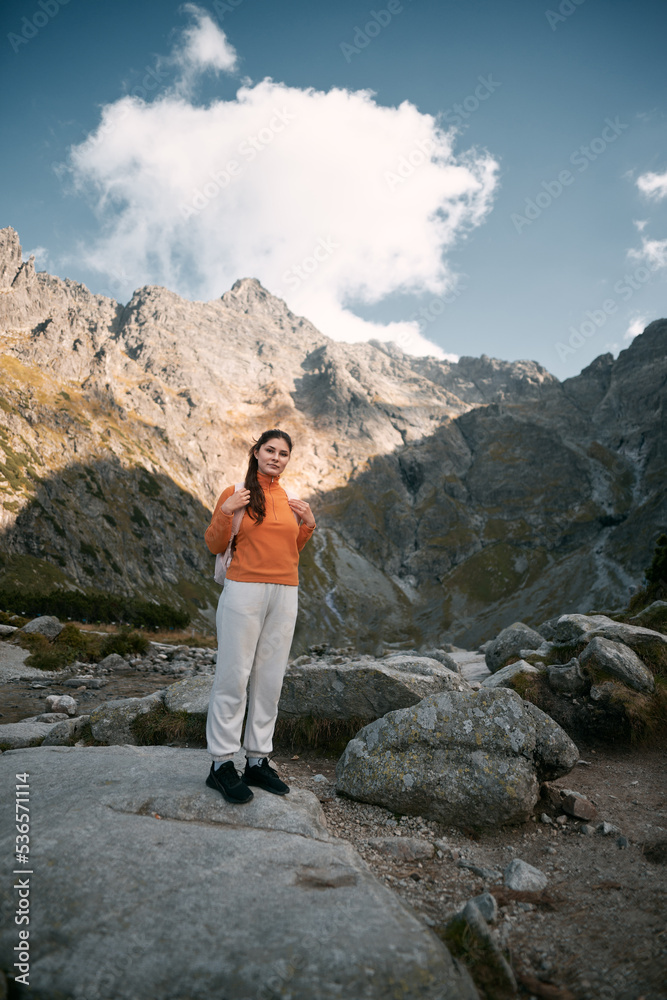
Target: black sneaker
x=263 y=776
x=226 y=780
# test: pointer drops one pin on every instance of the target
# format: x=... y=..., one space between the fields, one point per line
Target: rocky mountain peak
x=453 y=498
x=10 y=256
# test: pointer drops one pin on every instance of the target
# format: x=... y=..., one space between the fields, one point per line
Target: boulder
x=61 y=703
x=506 y=674
x=567 y=678
x=156 y=887
x=509 y=643
x=23 y=734
x=66 y=733
x=111 y=723
x=572 y=628
x=462 y=758
x=442 y=656
x=487 y=905
x=113 y=662
x=190 y=695
x=363 y=689
x=650 y=646
x=7 y=629
x=653 y=617
x=45 y=625
x=49 y=717
x=522 y=877
x=619 y=661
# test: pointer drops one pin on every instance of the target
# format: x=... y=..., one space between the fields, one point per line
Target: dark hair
x=256 y=507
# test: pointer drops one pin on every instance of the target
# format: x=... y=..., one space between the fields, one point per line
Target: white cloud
x=328 y=198
x=653 y=185
x=640 y=224
x=653 y=253
x=636 y=326
x=202 y=46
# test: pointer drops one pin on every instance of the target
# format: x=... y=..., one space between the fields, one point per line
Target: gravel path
x=473 y=665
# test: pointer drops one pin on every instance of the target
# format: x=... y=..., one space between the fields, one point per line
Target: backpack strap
x=293 y=496
x=238 y=514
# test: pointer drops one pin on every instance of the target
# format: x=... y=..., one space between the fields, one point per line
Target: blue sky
x=462 y=177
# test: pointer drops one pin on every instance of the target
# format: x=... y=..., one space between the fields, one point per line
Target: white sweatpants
x=255 y=624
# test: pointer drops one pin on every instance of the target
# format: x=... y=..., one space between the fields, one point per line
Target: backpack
x=223 y=559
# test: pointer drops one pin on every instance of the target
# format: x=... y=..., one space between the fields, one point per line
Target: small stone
x=488 y=874
x=578 y=805
x=522 y=876
x=562 y=819
x=622 y=842
x=61 y=703
x=405 y=848
x=544 y=818
x=112 y=662
x=587 y=829
x=319 y=777
x=607 y=829
x=487 y=906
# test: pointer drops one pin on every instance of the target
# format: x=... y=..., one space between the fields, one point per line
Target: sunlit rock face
x=452 y=498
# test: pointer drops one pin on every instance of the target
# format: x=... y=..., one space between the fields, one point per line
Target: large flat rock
x=147 y=884
x=365 y=689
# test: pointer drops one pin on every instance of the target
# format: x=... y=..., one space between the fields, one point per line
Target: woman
x=255 y=618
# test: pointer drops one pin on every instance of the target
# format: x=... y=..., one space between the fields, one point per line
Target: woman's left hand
x=302 y=508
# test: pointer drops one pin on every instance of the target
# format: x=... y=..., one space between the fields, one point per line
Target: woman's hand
x=238 y=499
x=302 y=508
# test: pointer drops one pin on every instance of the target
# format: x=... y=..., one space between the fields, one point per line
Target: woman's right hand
x=238 y=499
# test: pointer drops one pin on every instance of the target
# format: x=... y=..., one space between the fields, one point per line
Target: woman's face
x=272 y=457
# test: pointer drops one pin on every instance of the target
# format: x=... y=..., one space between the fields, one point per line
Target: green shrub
x=45 y=655
x=125 y=642
x=93 y=606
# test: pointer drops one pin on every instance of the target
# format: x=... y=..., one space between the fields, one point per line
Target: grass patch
x=480 y=958
x=160 y=726
x=326 y=736
x=646 y=714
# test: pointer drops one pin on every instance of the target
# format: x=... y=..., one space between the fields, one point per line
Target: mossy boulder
x=462 y=758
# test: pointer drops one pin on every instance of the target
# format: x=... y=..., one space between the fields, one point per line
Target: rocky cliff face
x=451 y=498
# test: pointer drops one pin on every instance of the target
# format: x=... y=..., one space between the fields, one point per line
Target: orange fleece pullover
x=266 y=552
